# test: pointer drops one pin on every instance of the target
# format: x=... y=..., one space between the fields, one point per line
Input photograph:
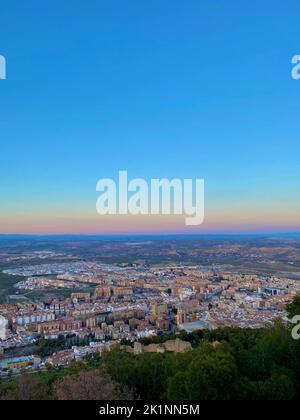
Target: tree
x=279 y=387
x=211 y=375
x=91 y=385
x=294 y=307
x=177 y=387
x=27 y=388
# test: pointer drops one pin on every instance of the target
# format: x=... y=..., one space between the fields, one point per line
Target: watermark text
x=296 y=68
x=296 y=329
x=158 y=197
x=2 y=67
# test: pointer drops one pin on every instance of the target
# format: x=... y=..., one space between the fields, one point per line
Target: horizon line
x=154 y=234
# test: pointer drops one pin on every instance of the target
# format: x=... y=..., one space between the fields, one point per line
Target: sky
x=160 y=88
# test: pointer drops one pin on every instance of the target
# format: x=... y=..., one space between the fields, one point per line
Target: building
x=159 y=310
x=195 y=326
x=271 y=291
x=172 y=346
x=16 y=363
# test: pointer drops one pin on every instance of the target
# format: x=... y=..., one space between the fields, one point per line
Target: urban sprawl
x=129 y=302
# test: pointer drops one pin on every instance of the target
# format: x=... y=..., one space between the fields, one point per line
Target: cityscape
x=75 y=290
x=149 y=203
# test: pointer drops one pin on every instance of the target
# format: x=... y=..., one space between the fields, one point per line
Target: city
x=149 y=204
x=98 y=306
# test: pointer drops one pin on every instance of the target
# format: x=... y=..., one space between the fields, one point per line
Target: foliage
x=89 y=385
x=294 y=307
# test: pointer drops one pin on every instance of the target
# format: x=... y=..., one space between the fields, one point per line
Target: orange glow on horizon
x=93 y=224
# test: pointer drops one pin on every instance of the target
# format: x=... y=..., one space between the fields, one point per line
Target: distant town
x=92 y=306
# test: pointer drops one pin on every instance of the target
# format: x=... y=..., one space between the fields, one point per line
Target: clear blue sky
x=160 y=88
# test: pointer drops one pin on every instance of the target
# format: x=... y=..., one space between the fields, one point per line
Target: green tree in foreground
x=294 y=307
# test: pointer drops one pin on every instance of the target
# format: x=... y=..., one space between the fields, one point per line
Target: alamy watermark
x=296 y=329
x=2 y=67
x=296 y=68
x=3 y=325
x=158 y=197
